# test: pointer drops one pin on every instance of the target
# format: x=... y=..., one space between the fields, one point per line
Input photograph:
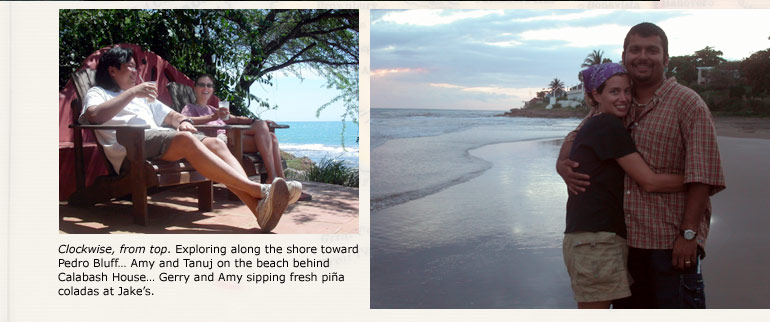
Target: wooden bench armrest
x=280 y=126
x=108 y=127
x=225 y=127
x=238 y=126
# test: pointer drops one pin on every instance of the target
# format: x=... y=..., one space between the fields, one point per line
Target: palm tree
x=595 y=58
x=556 y=86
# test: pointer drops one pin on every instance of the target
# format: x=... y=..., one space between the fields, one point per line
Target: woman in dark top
x=595 y=250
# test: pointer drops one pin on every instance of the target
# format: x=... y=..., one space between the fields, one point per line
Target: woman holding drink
x=595 y=250
x=256 y=139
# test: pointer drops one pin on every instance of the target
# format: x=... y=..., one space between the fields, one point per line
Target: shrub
x=334 y=172
x=759 y=106
x=737 y=91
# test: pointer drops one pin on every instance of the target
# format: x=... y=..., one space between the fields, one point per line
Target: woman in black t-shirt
x=595 y=250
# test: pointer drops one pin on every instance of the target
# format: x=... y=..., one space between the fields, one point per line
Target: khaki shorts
x=596 y=263
x=156 y=142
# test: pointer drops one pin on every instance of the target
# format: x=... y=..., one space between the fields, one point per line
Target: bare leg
x=220 y=149
x=277 y=156
x=214 y=167
x=594 y=305
x=259 y=139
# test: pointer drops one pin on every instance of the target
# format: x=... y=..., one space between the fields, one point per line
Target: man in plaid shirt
x=673 y=130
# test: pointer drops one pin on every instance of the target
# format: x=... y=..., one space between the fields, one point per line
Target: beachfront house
x=573 y=98
x=575 y=93
x=703 y=74
x=708 y=74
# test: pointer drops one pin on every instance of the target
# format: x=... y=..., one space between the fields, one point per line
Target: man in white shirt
x=118 y=100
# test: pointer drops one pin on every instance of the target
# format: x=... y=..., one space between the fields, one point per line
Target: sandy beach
x=737 y=249
x=742 y=127
x=493 y=241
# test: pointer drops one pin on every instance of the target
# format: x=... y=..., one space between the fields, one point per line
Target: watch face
x=689 y=234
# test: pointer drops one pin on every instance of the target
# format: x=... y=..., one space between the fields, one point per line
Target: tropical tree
x=708 y=57
x=756 y=70
x=238 y=47
x=595 y=58
x=683 y=68
x=556 y=86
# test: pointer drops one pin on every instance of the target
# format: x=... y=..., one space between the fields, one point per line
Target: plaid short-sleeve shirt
x=674 y=134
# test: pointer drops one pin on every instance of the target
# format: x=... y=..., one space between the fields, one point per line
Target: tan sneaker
x=295 y=190
x=270 y=208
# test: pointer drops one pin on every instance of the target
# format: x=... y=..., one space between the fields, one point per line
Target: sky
x=297 y=99
x=496 y=59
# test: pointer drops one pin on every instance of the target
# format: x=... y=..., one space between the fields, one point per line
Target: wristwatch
x=689 y=234
x=186 y=120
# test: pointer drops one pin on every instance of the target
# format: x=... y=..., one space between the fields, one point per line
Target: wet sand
x=491 y=242
x=494 y=241
x=735 y=269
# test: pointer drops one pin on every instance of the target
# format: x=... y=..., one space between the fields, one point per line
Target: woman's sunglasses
x=209 y=85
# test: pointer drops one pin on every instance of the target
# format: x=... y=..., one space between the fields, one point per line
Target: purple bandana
x=594 y=76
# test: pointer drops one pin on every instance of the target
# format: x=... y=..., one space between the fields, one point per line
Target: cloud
x=495 y=59
x=508 y=43
x=700 y=28
x=445 y=85
x=387 y=71
x=523 y=93
x=566 y=17
x=601 y=35
x=431 y=17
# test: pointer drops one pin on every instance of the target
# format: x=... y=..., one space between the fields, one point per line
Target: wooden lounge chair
x=252 y=163
x=140 y=176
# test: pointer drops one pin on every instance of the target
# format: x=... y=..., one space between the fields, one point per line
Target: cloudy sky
x=495 y=59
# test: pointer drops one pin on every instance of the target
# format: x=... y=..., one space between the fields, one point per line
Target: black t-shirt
x=600 y=141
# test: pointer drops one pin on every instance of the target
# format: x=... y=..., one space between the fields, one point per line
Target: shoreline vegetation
x=579 y=112
x=726 y=124
x=325 y=171
x=737 y=93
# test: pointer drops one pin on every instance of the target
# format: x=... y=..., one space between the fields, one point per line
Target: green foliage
x=756 y=70
x=238 y=47
x=556 y=86
x=733 y=87
x=537 y=105
x=737 y=92
x=708 y=57
x=684 y=69
x=595 y=58
x=346 y=82
x=334 y=172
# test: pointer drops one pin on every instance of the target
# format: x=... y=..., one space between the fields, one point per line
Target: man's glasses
x=209 y=85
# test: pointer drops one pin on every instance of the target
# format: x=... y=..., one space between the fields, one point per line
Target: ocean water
x=318 y=140
x=431 y=148
x=467 y=211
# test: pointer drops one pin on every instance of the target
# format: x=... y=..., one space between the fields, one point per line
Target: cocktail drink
x=151 y=99
x=224 y=107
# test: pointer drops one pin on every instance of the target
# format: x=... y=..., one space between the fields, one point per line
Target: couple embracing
x=640 y=170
